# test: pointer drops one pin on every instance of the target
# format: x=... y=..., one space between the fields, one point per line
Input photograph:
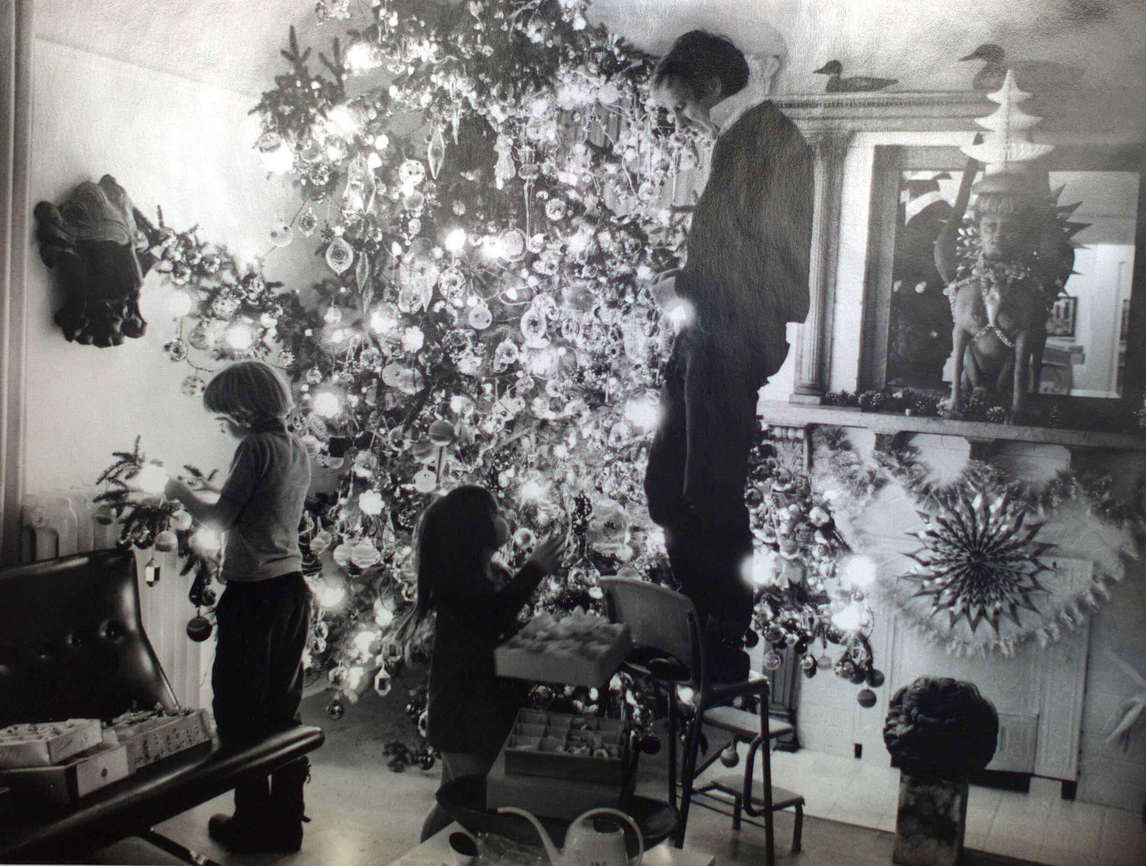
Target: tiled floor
x=365 y=814
x=1038 y=825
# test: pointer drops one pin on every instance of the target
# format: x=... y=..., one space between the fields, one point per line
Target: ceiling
x=235 y=44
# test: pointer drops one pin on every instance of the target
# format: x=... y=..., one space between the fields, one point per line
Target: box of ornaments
x=153 y=735
x=59 y=762
x=567 y=746
x=580 y=649
x=62 y=762
x=558 y=765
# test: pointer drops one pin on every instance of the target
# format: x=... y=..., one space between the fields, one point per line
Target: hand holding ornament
x=548 y=553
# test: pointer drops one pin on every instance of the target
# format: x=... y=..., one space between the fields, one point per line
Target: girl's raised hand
x=547 y=555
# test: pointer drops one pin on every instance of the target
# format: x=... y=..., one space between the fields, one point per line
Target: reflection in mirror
x=1085 y=349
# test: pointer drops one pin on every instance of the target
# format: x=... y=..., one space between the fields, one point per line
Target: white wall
x=169 y=142
x=186 y=147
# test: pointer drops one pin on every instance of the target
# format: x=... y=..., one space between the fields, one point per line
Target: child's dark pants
x=257 y=680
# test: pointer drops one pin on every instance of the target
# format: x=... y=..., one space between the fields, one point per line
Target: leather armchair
x=72 y=645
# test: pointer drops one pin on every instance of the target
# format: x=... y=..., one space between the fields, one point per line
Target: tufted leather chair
x=72 y=643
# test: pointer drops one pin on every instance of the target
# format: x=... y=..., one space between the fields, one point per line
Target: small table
x=435 y=851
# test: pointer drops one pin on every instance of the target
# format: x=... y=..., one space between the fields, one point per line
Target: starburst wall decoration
x=980 y=560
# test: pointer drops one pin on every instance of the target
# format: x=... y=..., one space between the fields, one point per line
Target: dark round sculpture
x=941 y=726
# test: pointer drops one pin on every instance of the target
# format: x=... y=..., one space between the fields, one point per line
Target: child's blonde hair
x=250 y=392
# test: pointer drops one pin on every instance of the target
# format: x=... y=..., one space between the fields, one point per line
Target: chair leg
x=175 y=849
x=673 y=737
x=687 y=772
x=798 y=833
x=766 y=767
x=737 y=808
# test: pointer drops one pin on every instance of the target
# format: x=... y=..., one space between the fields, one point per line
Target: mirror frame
x=890 y=160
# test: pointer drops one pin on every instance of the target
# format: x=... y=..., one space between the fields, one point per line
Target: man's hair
x=249 y=392
x=697 y=57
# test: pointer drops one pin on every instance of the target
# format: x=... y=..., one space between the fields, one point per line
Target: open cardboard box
x=583 y=651
x=559 y=783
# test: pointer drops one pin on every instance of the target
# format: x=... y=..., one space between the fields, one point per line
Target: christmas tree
x=493 y=194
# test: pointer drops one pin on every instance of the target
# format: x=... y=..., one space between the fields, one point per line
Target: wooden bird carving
x=1035 y=76
x=853 y=84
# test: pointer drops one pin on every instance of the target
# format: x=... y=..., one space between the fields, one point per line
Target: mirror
x=908 y=312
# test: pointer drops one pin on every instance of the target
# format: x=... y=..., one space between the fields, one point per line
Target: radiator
x=60 y=523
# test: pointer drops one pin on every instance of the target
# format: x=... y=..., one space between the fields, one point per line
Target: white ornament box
x=150 y=737
x=64 y=784
x=41 y=743
x=579 y=649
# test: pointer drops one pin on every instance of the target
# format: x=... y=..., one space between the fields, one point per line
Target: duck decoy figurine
x=853 y=84
x=1035 y=76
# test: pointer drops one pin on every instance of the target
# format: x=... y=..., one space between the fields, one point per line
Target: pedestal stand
x=931 y=821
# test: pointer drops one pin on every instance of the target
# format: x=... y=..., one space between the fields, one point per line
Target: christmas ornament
x=479 y=317
x=280 y=235
x=866 y=698
x=729 y=757
x=452 y=284
x=411 y=173
x=176 y=350
x=307 y=221
x=382 y=683
x=370 y=503
x=339 y=255
x=336 y=709
x=166 y=541
x=364 y=554
x=199 y=628
x=442 y=433
x=435 y=152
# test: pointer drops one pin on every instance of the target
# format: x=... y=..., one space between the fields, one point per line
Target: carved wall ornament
x=92 y=241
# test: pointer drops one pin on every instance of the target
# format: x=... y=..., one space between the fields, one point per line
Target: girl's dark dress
x=471 y=709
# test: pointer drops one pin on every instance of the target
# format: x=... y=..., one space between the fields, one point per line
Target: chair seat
x=753 y=682
x=742 y=723
x=732 y=783
x=658 y=668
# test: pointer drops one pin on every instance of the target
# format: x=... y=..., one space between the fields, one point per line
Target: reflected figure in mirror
x=919 y=334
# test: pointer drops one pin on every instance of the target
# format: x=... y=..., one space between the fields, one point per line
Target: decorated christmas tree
x=493 y=196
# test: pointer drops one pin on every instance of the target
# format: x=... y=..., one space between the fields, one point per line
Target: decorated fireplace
x=1003 y=535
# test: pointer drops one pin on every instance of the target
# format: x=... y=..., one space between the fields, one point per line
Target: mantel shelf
x=1116 y=111
x=781 y=414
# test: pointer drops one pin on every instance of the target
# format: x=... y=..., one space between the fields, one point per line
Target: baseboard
x=1003 y=780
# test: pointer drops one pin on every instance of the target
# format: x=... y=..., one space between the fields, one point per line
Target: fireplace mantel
x=981 y=434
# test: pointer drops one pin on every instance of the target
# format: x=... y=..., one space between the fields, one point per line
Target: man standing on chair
x=746 y=276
